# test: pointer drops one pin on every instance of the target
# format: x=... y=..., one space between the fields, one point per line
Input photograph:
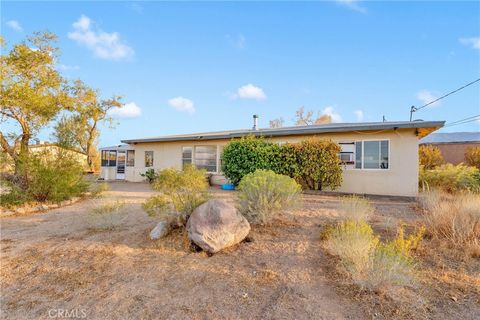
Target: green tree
x=32 y=93
x=80 y=129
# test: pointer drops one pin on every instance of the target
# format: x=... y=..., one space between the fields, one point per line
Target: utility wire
x=446 y=95
x=463 y=121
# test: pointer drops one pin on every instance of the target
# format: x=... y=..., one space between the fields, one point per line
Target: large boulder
x=216 y=225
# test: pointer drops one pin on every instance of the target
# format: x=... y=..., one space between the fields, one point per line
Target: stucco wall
x=454 y=152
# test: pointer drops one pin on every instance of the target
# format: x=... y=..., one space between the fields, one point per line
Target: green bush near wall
x=314 y=163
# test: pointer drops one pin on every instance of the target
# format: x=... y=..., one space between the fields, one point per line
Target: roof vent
x=255 y=122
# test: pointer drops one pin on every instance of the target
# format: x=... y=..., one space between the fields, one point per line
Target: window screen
x=206 y=158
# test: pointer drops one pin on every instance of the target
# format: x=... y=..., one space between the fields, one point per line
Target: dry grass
x=356 y=208
x=455 y=218
x=107 y=216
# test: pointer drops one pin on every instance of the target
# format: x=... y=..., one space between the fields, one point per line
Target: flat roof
x=452 y=137
x=297 y=130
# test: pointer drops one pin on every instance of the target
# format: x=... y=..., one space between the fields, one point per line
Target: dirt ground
x=55 y=262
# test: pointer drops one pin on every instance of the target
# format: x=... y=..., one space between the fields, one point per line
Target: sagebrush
x=355 y=208
x=108 y=215
x=263 y=193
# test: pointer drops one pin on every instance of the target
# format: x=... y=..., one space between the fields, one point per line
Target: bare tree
x=277 y=123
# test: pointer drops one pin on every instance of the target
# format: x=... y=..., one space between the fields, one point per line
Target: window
x=130 y=158
x=148 y=158
x=347 y=153
x=112 y=158
x=206 y=158
x=187 y=154
x=371 y=154
x=104 y=158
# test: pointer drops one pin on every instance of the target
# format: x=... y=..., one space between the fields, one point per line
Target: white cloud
x=426 y=97
x=331 y=112
x=15 y=25
x=359 y=115
x=66 y=67
x=103 y=44
x=249 y=91
x=182 y=104
x=353 y=5
x=238 y=41
x=129 y=110
x=473 y=41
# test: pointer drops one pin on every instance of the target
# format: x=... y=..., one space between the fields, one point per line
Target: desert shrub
x=355 y=208
x=12 y=195
x=243 y=156
x=181 y=193
x=472 y=156
x=354 y=243
x=108 y=215
x=264 y=193
x=319 y=164
x=450 y=178
x=97 y=189
x=149 y=175
x=430 y=156
x=453 y=217
x=371 y=263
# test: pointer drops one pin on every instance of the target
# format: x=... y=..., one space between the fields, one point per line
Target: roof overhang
x=423 y=128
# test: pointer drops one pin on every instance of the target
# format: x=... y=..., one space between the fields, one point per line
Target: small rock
x=20 y=210
x=160 y=230
x=53 y=206
x=42 y=207
x=454 y=298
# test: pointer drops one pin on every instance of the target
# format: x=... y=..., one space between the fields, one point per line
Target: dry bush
x=371 y=264
x=450 y=178
x=452 y=217
x=472 y=156
x=264 y=193
x=108 y=215
x=356 y=208
x=97 y=189
x=430 y=156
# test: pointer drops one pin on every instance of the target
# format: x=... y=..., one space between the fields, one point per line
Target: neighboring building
x=381 y=157
x=51 y=148
x=453 y=145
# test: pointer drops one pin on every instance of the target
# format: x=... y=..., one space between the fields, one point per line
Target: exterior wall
x=401 y=179
x=108 y=173
x=454 y=152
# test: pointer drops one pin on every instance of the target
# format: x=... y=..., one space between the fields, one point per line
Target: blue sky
x=187 y=67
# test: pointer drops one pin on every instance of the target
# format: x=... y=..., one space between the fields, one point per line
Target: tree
x=276 y=123
x=430 y=157
x=32 y=93
x=79 y=130
x=323 y=119
x=303 y=118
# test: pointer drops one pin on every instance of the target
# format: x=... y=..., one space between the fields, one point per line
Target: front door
x=121 y=165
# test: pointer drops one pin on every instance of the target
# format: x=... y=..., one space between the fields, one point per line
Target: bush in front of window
x=150 y=175
x=181 y=192
x=264 y=193
x=243 y=156
x=430 y=156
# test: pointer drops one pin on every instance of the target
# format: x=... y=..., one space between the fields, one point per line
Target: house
x=380 y=157
x=453 y=145
x=53 y=149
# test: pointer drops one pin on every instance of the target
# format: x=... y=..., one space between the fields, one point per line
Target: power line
x=463 y=121
x=414 y=109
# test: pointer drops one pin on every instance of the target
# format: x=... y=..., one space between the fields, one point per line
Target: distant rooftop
x=452 y=137
x=427 y=126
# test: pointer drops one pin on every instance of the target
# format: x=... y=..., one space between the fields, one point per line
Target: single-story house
x=380 y=157
x=453 y=145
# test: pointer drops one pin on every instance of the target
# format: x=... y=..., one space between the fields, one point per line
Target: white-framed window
x=372 y=154
x=187 y=156
x=148 y=159
x=205 y=157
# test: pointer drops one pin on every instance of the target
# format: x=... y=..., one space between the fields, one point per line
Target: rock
x=21 y=210
x=160 y=230
x=216 y=225
x=42 y=207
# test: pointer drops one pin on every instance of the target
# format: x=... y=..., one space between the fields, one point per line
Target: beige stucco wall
x=400 y=179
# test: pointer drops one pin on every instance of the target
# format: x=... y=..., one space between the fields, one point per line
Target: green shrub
x=264 y=193
x=319 y=164
x=13 y=196
x=430 y=156
x=355 y=208
x=472 y=156
x=149 y=175
x=243 y=156
x=450 y=178
x=181 y=193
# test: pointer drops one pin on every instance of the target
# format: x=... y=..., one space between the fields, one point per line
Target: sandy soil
x=56 y=261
